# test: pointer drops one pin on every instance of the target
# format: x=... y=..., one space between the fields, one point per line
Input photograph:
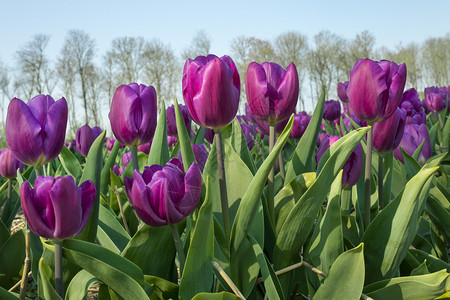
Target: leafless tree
x=200 y=45
x=436 y=60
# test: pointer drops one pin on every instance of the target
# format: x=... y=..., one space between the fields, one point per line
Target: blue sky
x=176 y=22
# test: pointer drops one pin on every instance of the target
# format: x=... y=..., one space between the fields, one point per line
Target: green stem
x=58 y=269
x=134 y=158
x=367 y=178
x=281 y=164
x=8 y=199
x=222 y=184
x=380 y=181
x=38 y=170
x=179 y=247
x=270 y=187
x=441 y=123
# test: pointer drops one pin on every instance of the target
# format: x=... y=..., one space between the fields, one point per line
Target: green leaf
x=114 y=230
x=346 y=278
x=12 y=256
x=105 y=175
x=70 y=163
x=424 y=287
x=446 y=132
x=302 y=158
x=162 y=289
x=390 y=234
x=159 y=152
x=46 y=289
x=198 y=275
x=215 y=296
x=120 y=274
x=5 y=295
x=434 y=264
x=184 y=139
x=80 y=285
x=92 y=172
x=421 y=269
x=388 y=171
x=4 y=234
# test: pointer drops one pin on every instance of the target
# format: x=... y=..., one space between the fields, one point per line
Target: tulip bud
x=145 y=148
x=85 y=137
x=57 y=208
x=200 y=154
x=249 y=134
x=301 y=122
x=413 y=136
x=375 y=89
x=211 y=90
x=342 y=91
x=133 y=114
x=331 y=110
x=272 y=92
x=9 y=164
x=388 y=133
x=172 y=122
x=435 y=99
x=35 y=131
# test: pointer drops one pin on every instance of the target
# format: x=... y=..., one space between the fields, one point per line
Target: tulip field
x=196 y=202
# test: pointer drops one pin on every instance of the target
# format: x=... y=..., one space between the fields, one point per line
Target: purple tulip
x=117 y=170
x=57 y=208
x=145 y=148
x=331 y=110
x=301 y=122
x=375 y=89
x=249 y=134
x=200 y=154
x=412 y=138
x=342 y=91
x=35 y=131
x=435 y=99
x=250 y=116
x=209 y=135
x=85 y=137
x=352 y=168
x=388 y=133
x=165 y=195
x=172 y=122
x=171 y=140
x=272 y=92
x=211 y=90
x=133 y=114
x=126 y=158
x=263 y=127
x=9 y=164
x=413 y=108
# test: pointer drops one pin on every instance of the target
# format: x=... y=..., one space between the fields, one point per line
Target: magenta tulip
x=388 y=133
x=413 y=136
x=435 y=99
x=172 y=122
x=85 y=137
x=301 y=122
x=342 y=91
x=9 y=164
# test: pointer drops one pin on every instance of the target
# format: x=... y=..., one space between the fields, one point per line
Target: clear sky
x=176 y=22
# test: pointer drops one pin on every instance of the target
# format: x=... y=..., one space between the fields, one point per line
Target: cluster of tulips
x=243 y=195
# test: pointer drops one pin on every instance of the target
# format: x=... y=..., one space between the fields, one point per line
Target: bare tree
x=200 y=45
x=436 y=60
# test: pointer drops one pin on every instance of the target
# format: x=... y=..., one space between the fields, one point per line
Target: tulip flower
x=435 y=99
x=171 y=141
x=375 y=89
x=133 y=114
x=388 y=134
x=85 y=137
x=211 y=90
x=200 y=154
x=301 y=122
x=165 y=195
x=413 y=108
x=248 y=113
x=272 y=92
x=126 y=158
x=249 y=134
x=35 y=131
x=172 y=122
x=342 y=91
x=413 y=136
x=209 y=135
x=352 y=168
x=331 y=110
x=57 y=208
x=9 y=164
x=145 y=148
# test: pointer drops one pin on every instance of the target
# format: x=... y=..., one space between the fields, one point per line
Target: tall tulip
x=388 y=134
x=85 y=137
x=172 y=123
x=35 y=131
x=413 y=136
x=342 y=91
x=331 y=110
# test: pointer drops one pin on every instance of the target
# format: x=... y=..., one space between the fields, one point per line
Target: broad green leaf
x=198 y=275
x=5 y=295
x=390 y=234
x=4 y=234
x=215 y=296
x=433 y=133
x=104 y=241
x=70 y=163
x=46 y=289
x=109 y=224
x=420 y=287
x=79 y=285
x=303 y=156
x=421 y=269
x=440 y=214
x=350 y=230
x=434 y=264
x=92 y=172
x=105 y=175
x=446 y=132
x=388 y=171
x=159 y=152
x=12 y=256
x=346 y=277
x=162 y=289
x=184 y=139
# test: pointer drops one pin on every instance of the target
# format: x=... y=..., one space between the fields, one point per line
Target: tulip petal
x=287 y=89
x=125 y=109
x=161 y=195
x=147 y=124
x=257 y=91
x=192 y=190
x=396 y=88
x=88 y=193
x=39 y=106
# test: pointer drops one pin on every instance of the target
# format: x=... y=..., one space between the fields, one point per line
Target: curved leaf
x=215 y=296
x=184 y=139
x=159 y=152
x=12 y=255
x=46 y=289
x=70 y=163
x=80 y=285
x=105 y=175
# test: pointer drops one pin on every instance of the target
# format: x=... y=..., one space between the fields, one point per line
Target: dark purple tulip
x=342 y=91
x=352 y=168
x=272 y=92
x=172 y=141
x=57 y=208
x=35 y=131
x=145 y=148
x=133 y=114
x=331 y=110
x=320 y=137
x=166 y=195
x=413 y=108
x=9 y=164
x=209 y=135
x=85 y=137
x=263 y=127
x=126 y=158
x=388 y=133
x=412 y=138
x=211 y=90
x=117 y=170
x=435 y=99
x=249 y=134
x=375 y=89
x=172 y=122
x=200 y=154
x=250 y=116
x=301 y=122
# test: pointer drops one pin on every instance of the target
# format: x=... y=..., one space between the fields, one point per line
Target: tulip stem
x=222 y=184
x=58 y=269
x=380 y=181
x=367 y=178
x=134 y=158
x=179 y=247
x=270 y=187
x=38 y=170
x=26 y=266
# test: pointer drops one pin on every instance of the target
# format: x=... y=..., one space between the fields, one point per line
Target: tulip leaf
x=427 y=286
x=80 y=285
x=70 y=163
x=388 y=169
x=198 y=275
x=438 y=213
x=434 y=264
x=184 y=139
x=159 y=152
x=114 y=230
x=46 y=289
x=12 y=255
x=5 y=295
x=92 y=172
x=105 y=175
x=390 y=234
x=216 y=296
x=303 y=156
x=346 y=277
x=421 y=269
x=120 y=274
x=162 y=289
x=446 y=131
